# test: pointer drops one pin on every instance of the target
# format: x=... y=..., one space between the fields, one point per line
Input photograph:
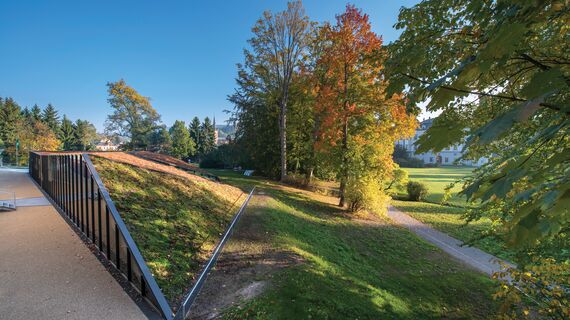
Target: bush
x=417 y=191
x=366 y=194
x=411 y=163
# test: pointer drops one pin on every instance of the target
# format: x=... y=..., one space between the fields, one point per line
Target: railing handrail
x=72 y=183
x=165 y=308
x=193 y=293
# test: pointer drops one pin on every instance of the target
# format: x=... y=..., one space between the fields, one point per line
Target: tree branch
x=485 y=94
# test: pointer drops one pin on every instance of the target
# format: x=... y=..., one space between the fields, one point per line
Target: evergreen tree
x=51 y=118
x=84 y=135
x=160 y=140
x=207 y=137
x=35 y=114
x=182 y=144
x=194 y=129
x=67 y=134
x=26 y=113
x=10 y=118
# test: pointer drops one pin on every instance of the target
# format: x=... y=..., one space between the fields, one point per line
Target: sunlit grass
x=355 y=270
x=175 y=222
x=436 y=179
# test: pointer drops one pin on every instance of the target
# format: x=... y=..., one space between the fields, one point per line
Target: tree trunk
x=283 y=137
x=344 y=165
x=309 y=176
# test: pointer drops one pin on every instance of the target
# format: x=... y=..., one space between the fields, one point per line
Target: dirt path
x=245 y=267
x=470 y=256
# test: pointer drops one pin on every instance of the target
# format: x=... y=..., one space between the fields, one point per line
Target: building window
x=446 y=159
x=430 y=159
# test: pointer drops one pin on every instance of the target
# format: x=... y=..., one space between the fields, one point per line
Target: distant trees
x=133 y=116
x=194 y=129
x=160 y=140
x=51 y=118
x=182 y=145
x=37 y=129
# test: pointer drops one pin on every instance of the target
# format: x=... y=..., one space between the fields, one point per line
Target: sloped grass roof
x=175 y=221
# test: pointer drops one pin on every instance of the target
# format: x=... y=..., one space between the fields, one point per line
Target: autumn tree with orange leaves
x=358 y=123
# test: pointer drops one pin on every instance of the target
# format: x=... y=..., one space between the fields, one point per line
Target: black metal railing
x=73 y=184
x=190 y=297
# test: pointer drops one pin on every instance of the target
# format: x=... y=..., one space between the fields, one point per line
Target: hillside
x=175 y=218
x=296 y=255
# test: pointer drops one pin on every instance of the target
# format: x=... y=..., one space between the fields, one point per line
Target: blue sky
x=182 y=54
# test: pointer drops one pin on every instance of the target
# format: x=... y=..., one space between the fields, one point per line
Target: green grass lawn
x=355 y=269
x=174 y=221
x=436 y=179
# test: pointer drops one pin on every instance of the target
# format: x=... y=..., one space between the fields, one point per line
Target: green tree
x=51 y=118
x=35 y=114
x=182 y=145
x=279 y=44
x=194 y=129
x=9 y=120
x=85 y=135
x=207 y=137
x=133 y=116
x=160 y=140
x=67 y=134
x=499 y=73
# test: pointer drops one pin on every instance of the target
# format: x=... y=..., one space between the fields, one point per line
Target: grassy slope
x=445 y=218
x=354 y=268
x=174 y=221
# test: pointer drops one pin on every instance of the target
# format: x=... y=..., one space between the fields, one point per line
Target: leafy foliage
x=133 y=116
x=417 y=191
x=182 y=145
x=498 y=71
x=359 y=123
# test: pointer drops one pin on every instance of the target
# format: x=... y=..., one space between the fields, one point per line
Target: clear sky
x=182 y=54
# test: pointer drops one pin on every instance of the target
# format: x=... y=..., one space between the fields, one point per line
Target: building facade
x=446 y=157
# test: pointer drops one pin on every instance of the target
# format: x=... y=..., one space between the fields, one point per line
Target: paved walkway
x=46 y=271
x=471 y=256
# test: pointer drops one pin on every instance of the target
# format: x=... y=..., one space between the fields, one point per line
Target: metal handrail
x=74 y=185
x=165 y=308
x=184 y=307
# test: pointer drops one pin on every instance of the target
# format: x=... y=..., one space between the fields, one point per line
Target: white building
x=447 y=157
x=106 y=145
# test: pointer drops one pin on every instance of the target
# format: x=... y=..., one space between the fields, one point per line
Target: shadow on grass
x=354 y=269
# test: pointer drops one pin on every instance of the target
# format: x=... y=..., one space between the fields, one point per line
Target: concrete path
x=46 y=271
x=471 y=256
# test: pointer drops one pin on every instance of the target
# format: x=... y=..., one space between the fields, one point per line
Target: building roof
x=426 y=124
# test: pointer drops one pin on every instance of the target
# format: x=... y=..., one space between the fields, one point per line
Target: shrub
x=411 y=163
x=417 y=191
x=366 y=194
